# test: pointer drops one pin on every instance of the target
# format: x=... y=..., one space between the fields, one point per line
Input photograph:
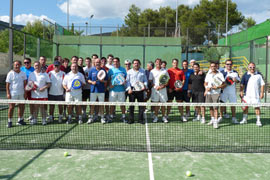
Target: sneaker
x=244 y=121
x=44 y=122
x=155 y=120
x=30 y=118
x=110 y=119
x=84 y=115
x=187 y=115
x=9 y=125
x=234 y=120
x=215 y=124
x=219 y=119
x=198 y=118
x=124 y=119
x=50 y=119
x=60 y=119
x=211 y=122
x=33 y=121
x=69 y=121
x=21 y=123
x=103 y=120
x=258 y=123
x=164 y=119
x=80 y=121
x=203 y=120
x=184 y=119
x=226 y=116
x=90 y=120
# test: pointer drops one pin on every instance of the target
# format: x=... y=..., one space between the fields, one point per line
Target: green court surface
x=114 y=165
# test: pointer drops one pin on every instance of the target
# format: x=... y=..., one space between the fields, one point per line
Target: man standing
x=229 y=92
x=251 y=90
x=73 y=83
x=42 y=61
x=56 y=92
x=15 y=83
x=97 y=90
x=186 y=98
x=214 y=82
x=43 y=82
x=176 y=74
x=136 y=75
x=51 y=66
x=86 y=88
x=109 y=61
x=117 y=91
x=159 y=91
x=196 y=91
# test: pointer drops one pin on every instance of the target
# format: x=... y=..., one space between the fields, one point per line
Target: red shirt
x=175 y=74
x=51 y=67
x=104 y=67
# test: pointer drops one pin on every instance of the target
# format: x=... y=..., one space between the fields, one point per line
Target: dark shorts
x=198 y=97
x=55 y=98
x=185 y=96
x=178 y=95
x=107 y=95
x=86 y=94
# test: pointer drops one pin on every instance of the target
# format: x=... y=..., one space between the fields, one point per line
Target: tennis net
x=173 y=136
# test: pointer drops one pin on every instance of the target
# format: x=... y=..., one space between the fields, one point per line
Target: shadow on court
x=12 y=176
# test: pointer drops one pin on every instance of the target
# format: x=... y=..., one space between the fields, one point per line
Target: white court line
x=148 y=145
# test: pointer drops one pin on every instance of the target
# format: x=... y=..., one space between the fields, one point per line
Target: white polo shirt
x=56 y=88
x=231 y=89
x=254 y=86
x=210 y=80
x=40 y=79
x=155 y=75
x=68 y=82
x=16 y=81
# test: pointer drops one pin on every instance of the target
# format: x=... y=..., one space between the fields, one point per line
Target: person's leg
x=131 y=108
x=10 y=115
x=258 y=112
x=140 y=98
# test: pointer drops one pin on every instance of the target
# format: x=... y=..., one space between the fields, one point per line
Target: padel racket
x=243 y=101
x=229 y=81
x=163 y=79
x=30 y=86
x=76 y=84
x=101 y=75
x=217 y=81
x=119 y=79
x=178 y=84
x=138 y=86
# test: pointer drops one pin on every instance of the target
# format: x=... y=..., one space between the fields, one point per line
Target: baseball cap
x=56 y=63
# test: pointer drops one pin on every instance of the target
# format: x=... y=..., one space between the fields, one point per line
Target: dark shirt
x=80 y=69
x=197 y=82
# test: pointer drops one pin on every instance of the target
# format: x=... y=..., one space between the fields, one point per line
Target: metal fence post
x=38 y=48
x=266 y=72
x=100 y=45
x=24 y=45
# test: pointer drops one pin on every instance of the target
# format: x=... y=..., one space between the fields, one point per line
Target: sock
x=80 y=117
x=123 y=115
x=198 y=117
x=245 y=116
x=69 y=116
x=9 y=119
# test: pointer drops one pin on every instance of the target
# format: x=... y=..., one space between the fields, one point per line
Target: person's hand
x=43 y=88
x=205 y=93
x=262 y=95
x=234 y=79
x=200 y=72
x=170 y=90
x=130 y=91
x=178 y=89
x=8 y=96
x=111 y=86
x=94 y=82
x=68 y=90
x=214 y=87
x=208 y=89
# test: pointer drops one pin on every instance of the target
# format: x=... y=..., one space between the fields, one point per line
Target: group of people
x=76 y=82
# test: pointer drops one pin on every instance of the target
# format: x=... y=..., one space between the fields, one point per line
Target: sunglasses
x=127 y=64
x=251 y=67
x=26 y=62
x=228 y=64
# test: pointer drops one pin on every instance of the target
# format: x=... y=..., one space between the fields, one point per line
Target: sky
x=107 y=12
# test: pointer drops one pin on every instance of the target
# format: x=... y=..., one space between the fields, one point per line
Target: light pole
x=10 y=52
x=176 y=18
x=227 y=9
x=90 y=23
x=86 y=27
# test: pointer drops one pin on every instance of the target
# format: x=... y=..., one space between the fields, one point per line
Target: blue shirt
x=92 y=76
x=27 y=71
x=187 y=74
x=136 y=76
x=113 y=72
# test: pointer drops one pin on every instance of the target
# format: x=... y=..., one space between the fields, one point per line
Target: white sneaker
x=50 y=119
x=198 y=118
x=187 y=115
x=234 y=120
x=215 y=124
x=164 y=119
x=60 y=118
x=80 y=121
x=244 y=121
x=33 y=121
x=203 y=120
x=155 y=120
x=103 y=120
x=184 y=119
x=30 y=118
x=226 y=116
x=90 y=120
x=219 y=119
x=258 y=123
x=211 y=122
x=44 y=122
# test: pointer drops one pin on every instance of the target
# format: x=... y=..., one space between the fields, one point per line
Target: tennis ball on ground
x=188 y=173
x=65 y=154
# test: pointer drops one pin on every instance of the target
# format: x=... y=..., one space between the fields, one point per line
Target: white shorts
x=70 y=98
x=97 y=96
x=117 y=96
x=250 y=100
x=159 y=96
x=225 y=97
x=18 y=97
